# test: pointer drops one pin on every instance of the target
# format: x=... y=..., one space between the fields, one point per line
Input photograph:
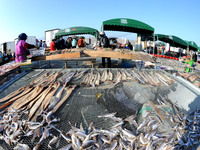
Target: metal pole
x=146 y=43
x=153 y=44
x=96 y=39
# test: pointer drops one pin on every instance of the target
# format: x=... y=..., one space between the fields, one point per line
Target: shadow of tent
x=194 y=104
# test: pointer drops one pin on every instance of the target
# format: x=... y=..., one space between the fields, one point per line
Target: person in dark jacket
x=69 y=42
x=57 y=43
x=62 y=43
x=104 y=43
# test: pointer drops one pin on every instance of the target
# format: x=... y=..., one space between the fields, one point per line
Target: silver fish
x=53 y=141
x=88 y=144
x=117 y=125
x=142 y=139
x=66 y=138
x=113 y=145
x=162 y=146
x=109 y=115
x=155 y=126
x=22 y=147
x=151 y=122
x=142 y=125
x=67 y=147
x=171 y=136
x=37 y=146
x=128 y=134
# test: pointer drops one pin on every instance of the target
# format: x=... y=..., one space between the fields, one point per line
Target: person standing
x=53 y=45
x=57 y=43
x=40 y=43
x=62 y=43
x=44 y=44
x=74 y=42
x=69 y=42
x=104 y=43
x=21 y=48
x=81 y=42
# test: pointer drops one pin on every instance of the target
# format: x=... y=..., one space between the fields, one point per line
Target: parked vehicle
x=198 y=58
x=49 y=35
x=30 y=40
x=114 y=43
x=8 y=47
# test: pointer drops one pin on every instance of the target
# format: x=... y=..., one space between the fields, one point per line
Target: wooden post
x=65 y=64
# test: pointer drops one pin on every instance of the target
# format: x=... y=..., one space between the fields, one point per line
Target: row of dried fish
x=73 y=50
x=192 y=77
x=7 y=67
x=44 y=93
x=95 y=78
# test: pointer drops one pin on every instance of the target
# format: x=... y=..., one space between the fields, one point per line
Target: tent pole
x=96 y=39
x=146 y=43
x=153 y=44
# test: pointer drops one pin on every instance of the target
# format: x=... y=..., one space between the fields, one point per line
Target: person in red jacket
x=81 y=42
x=53 y=45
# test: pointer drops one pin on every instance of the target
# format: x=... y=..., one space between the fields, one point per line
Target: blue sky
x=175 y=17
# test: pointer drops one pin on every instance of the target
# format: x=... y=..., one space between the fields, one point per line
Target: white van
x=198 y=58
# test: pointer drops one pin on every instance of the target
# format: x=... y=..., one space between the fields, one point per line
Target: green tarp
x=172 y=40
x=77 y=30
x=127 y=25
x=192 y=45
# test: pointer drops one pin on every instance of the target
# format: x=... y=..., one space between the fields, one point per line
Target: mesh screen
x=83 y=107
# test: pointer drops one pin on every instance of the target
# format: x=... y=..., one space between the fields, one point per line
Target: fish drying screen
x=85 y=104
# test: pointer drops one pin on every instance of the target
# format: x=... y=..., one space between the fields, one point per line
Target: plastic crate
x=37 y=52
x=26 y=67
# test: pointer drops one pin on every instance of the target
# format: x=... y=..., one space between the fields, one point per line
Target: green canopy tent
x=199 y=50
x=76 y=31
x=127 y=25
x=172 y=40
x=192 y=45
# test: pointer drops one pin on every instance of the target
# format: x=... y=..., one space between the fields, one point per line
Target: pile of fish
x=8 y=78
x=95 y=78
x=43 y=94
x=7 y=67
x=146 y=136
x=13 y=129
x=73 y=50
x=194 y=78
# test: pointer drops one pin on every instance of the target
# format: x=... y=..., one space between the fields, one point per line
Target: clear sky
x=174 y=17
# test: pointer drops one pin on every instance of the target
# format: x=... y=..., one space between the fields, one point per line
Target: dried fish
x=104 y=76
x=53 y=141
x=117 y=78
x=110 y=75
x=13 y=94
